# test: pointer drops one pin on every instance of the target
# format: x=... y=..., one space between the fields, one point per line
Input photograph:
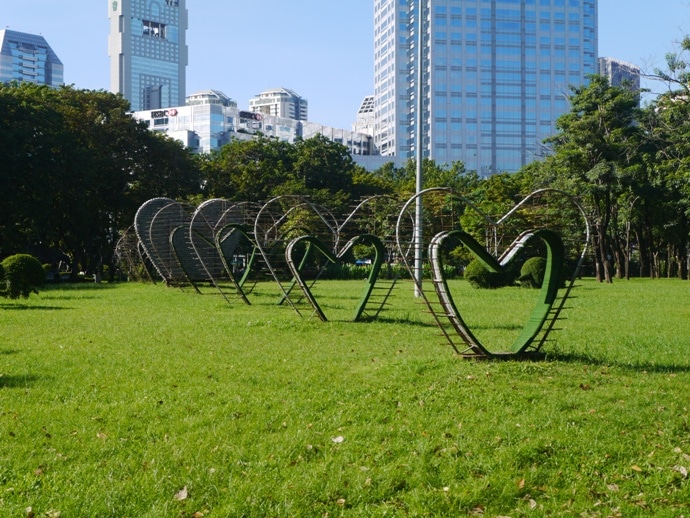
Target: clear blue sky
x=322 y=49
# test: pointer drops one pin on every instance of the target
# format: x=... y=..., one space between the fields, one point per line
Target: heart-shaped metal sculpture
x=547 y=297
x=369 y=224
x=442 y=305
x=278 y=222
x=314 y=245
x=162 y=226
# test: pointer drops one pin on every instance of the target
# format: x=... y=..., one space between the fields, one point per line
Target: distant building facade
x=620 y=73
x=28 y=58
x=210 y=119
x=365 y=116
x=280 y=102
x=148 y=52
x=495 y=76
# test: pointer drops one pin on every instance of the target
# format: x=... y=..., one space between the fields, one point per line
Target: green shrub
x=479 y=277
x=532 y=272
x=23 y=275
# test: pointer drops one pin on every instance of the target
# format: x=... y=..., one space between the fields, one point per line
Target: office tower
x=148 y=52
x=495 y=76
x=280 y=102
x=28 y=57
x=620 y=73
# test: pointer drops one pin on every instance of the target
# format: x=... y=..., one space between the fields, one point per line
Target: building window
x=154 y=29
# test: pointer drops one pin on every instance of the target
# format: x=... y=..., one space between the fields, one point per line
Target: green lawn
x=136 y=400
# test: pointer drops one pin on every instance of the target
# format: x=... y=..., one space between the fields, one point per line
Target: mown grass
x=137 y=400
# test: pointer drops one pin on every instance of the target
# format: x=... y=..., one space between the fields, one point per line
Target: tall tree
x=77 y=167
x=597 y=143
x=248 y=170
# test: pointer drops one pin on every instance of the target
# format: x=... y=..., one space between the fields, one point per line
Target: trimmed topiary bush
x=532 y=272
x=479 y=277
x=23 y=274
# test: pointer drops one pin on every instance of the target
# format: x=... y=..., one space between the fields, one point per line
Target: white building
x=620 y=73
x=365 y=116
x=280 y=102
x=210 y=119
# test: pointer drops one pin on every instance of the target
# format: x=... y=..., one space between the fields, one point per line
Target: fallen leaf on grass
x=181 y=494
x=532 y=503
x=613 y=488
x=338 y=439
x=637 y=468
x=341 y=502
x=682 y=470
x=29 y=512
x=521 y=484
x=53 y=513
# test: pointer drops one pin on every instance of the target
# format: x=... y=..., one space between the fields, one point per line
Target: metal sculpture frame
x=288 y=236
x=442 y=306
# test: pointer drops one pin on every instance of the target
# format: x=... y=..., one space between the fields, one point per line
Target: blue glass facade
x=496 y=76
x=28 y=57
x=148 y=53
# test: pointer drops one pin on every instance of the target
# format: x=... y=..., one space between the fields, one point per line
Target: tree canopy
x=76 y=166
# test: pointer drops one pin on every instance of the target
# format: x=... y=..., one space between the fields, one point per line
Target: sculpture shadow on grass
x=592 y=359
x=17 y=381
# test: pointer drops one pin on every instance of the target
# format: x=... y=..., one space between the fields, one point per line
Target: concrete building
x=148 y=52
x=210 y=119
x=620 y=73
x=365 y=116
x=280 y=102
x=495 y=76
x=28 y=58
x=356 y=142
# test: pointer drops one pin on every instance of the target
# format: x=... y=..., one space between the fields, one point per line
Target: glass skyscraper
x=148 y=52
x=496 y=74
x=28 y=58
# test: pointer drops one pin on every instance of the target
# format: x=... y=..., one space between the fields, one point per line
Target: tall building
x=495 y=76
x=28 y=57
x=148 y=52
x=280 y=102
x=620 y=73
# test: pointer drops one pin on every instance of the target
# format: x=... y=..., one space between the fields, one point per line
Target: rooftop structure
x=28 y=58
x=620 y=73
x=365 y=116
x=280 y=102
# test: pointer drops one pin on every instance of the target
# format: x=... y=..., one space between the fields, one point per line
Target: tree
x=597 y=143
x=20 y=275
x=248 y=170
x=77 y=166
x=666 y=123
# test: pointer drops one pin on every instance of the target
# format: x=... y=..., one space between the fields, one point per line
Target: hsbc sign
x=157 y=114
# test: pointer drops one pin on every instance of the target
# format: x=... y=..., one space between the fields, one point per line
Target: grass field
x=133 y=400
